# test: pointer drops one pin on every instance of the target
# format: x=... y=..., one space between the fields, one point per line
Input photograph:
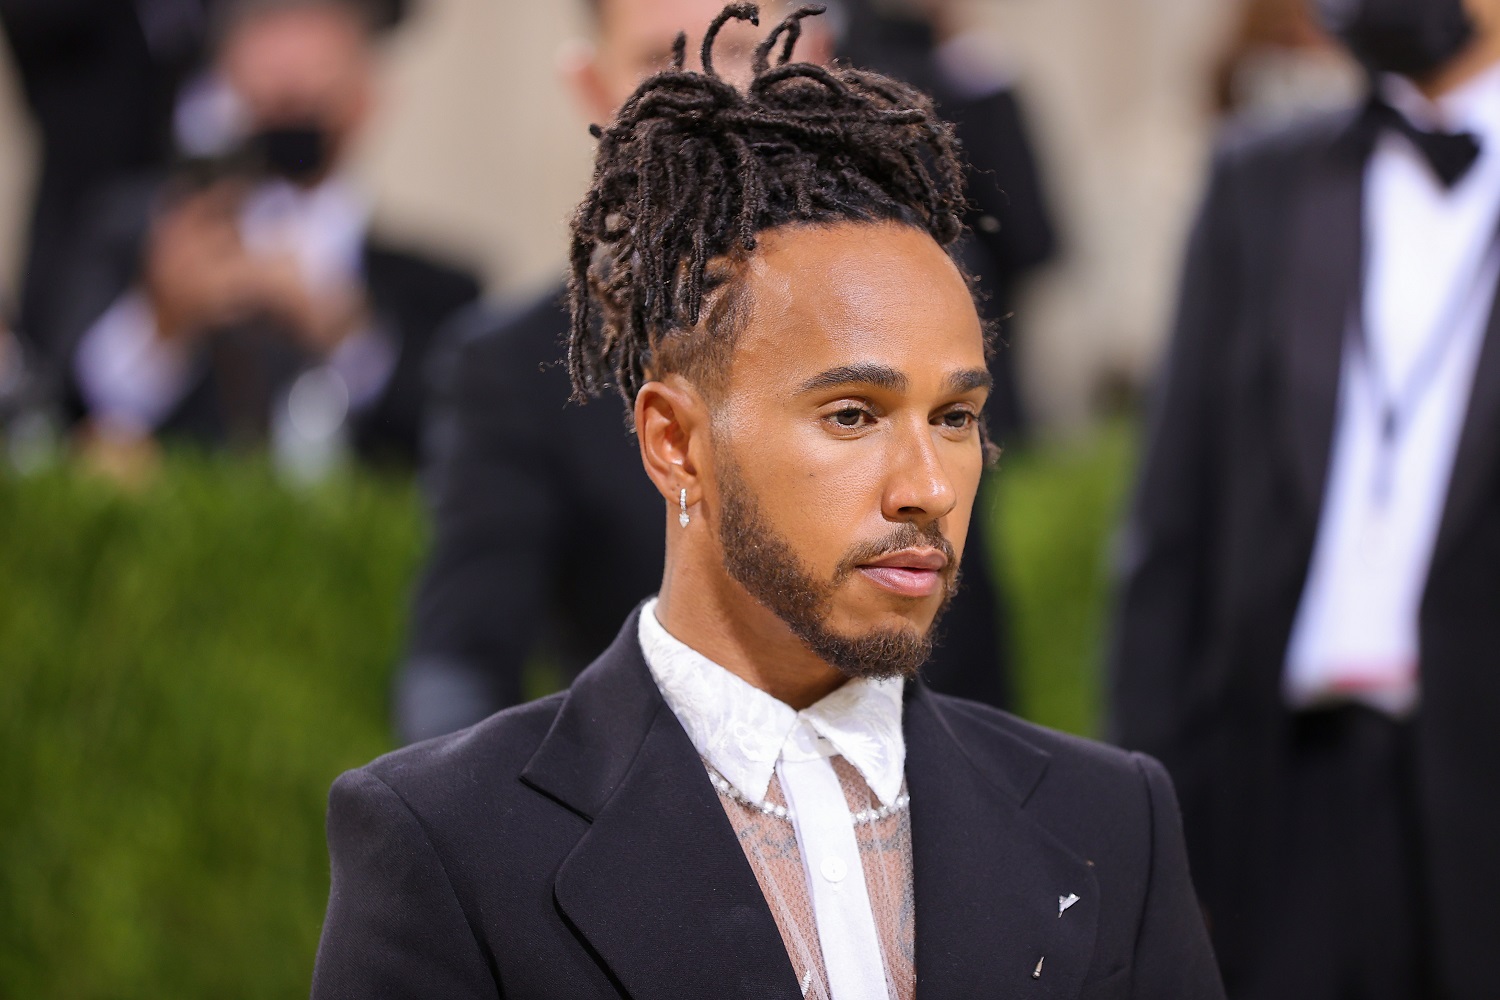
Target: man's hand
x=317 y=318
x=200 y=277
x=197 y=274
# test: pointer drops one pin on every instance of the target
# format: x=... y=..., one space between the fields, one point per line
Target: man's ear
x=672 y=424
x=578 y=66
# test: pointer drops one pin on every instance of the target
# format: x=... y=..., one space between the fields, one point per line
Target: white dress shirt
x=1429 y=287
x=748 y=738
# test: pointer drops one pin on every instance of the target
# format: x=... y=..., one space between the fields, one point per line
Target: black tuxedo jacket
x=573 y=847
x=1218 y=546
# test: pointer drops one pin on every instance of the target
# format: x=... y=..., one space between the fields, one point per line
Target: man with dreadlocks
x=749 y=794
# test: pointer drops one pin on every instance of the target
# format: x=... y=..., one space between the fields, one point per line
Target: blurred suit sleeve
x=492 y=492
x=1165 y=579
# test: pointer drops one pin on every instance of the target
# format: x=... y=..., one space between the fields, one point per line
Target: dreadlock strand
x=794 y=29
x=734 y=12
x=780 y=74
x=745 y=181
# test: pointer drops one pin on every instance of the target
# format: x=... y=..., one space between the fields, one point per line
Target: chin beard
x=767 y=567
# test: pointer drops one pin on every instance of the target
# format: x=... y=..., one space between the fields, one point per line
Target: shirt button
x=834 y=869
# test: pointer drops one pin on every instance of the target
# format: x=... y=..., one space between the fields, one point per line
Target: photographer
x=258 y=307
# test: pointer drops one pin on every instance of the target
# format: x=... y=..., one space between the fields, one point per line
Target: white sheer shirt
x=750 y=738
x=1356 y=635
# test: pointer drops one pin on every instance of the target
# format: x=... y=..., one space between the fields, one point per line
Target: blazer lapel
x=658 y=886
x=988 y=880
x=1323 y=280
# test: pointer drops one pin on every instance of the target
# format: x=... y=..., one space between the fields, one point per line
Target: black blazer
x=1221 y=535
x=573 y=847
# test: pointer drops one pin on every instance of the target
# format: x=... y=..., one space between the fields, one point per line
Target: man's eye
x=849 y=418
x=958 y=419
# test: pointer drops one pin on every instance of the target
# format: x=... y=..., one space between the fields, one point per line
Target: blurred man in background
x=258 y=306
x=1308 y=632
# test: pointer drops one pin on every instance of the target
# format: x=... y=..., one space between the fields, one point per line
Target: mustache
x=904 y=536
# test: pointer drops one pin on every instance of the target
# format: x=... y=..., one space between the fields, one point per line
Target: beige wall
x=480 y=145
x=1118 y=98
x=479 y=149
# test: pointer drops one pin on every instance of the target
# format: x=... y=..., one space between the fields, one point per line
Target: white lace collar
x=742 y=731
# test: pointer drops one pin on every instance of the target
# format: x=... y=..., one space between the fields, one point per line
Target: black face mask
x=1410 y=37
x=299 y=153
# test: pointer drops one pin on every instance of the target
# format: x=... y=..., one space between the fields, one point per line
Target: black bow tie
x=1450 y=154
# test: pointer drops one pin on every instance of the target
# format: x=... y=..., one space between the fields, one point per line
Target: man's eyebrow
x=970 y=379
x=880 y=376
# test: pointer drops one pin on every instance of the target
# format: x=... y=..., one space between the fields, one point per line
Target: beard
x=767 y=566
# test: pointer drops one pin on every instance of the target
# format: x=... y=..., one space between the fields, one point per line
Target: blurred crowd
x=201 y=266
x=1307 y=575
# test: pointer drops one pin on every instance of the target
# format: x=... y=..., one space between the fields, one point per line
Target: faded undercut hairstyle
x=692 y=169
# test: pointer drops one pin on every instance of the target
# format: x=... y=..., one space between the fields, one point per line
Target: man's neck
x=1476 y=59
x=718 y=619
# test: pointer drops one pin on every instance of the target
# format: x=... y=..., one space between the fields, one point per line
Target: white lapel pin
x=1063 y=902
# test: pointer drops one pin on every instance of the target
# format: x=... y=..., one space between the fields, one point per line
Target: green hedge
x=1057 y=512
x=186 y=669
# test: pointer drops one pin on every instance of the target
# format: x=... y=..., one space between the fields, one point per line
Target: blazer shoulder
x=447 y=768
x=487 y=341
x=412 y=275
x=532 y=334
x=1249 y=145
x=980 y=718
x=1083 y=770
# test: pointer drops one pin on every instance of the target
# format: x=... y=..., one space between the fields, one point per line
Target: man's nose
x=918 y=487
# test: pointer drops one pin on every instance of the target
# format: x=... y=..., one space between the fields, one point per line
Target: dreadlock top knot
x=792 y=26
x=693 y=168
x=734 y=12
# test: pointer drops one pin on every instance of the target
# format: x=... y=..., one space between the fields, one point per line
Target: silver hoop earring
x=683 y=518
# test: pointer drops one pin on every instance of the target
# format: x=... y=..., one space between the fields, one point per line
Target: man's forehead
x=857 y=294
x=880 y=274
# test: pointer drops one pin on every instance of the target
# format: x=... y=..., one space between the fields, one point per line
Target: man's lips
x=909 y=572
